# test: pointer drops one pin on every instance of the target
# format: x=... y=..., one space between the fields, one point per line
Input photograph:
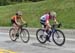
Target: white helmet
x=19 y=13
x=53 y=14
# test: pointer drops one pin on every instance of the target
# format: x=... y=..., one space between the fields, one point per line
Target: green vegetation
x=33 y=10
x=7 y=2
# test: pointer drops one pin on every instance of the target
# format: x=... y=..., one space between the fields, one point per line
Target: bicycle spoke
x=12 y=34
x=25 y=35
x=41 y=37
x=59 y=38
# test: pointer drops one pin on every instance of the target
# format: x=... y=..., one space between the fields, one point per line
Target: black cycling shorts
x=43 y=23
x=13 y=22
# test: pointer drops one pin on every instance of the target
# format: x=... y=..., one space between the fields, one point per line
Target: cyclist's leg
x=48 y=28
x=43 y=26
x=15 y=26
x=17 y=29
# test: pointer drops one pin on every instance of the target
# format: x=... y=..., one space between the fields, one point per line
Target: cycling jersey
x=44 y=18
x=15 y=17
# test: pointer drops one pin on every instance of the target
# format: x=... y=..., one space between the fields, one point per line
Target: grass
x=33 y=10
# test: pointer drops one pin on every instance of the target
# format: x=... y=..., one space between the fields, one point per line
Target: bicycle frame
x=51 y=33
x=53 y=29
x=21 y=27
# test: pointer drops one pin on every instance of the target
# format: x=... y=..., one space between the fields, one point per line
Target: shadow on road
x=46 y=46
x=9 y=41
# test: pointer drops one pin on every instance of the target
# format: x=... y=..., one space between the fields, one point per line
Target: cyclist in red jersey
x=17 y=20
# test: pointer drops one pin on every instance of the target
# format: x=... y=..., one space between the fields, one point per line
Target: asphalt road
x=33 y=46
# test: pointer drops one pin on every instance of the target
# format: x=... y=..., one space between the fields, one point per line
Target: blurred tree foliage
x=7 y=2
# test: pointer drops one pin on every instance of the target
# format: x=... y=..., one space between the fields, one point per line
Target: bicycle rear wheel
x=24 y=34
x=40 y=36
x=58 y=37
x=12 y=34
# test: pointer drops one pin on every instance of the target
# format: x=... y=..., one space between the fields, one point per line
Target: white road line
x=69 y=39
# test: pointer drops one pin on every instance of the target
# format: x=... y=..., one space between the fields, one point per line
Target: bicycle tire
x=15 y=37
x=24 y=34
x=59 y=44
x=37 y=32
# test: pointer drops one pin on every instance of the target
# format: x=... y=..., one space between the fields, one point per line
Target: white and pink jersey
x=45 y=17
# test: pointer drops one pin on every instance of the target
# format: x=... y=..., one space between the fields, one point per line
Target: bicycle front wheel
x=24 y=34
x=58 y=37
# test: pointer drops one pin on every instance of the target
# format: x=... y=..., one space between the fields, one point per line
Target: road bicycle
x=22 y=33
x=57 y=35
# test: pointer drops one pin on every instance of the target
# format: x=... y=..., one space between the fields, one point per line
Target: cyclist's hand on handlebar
x=25 y=24
x=59 y=25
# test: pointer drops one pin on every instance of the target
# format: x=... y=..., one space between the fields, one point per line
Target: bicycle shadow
x=9 y=41
x=46 y=46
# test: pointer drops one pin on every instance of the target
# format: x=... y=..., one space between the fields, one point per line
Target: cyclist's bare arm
x=23 y=20
x=55 y=21
x=17 y=21
x=48 y=24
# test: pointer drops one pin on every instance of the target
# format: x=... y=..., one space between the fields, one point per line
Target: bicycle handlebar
x=56 y=25
x=25 y=24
